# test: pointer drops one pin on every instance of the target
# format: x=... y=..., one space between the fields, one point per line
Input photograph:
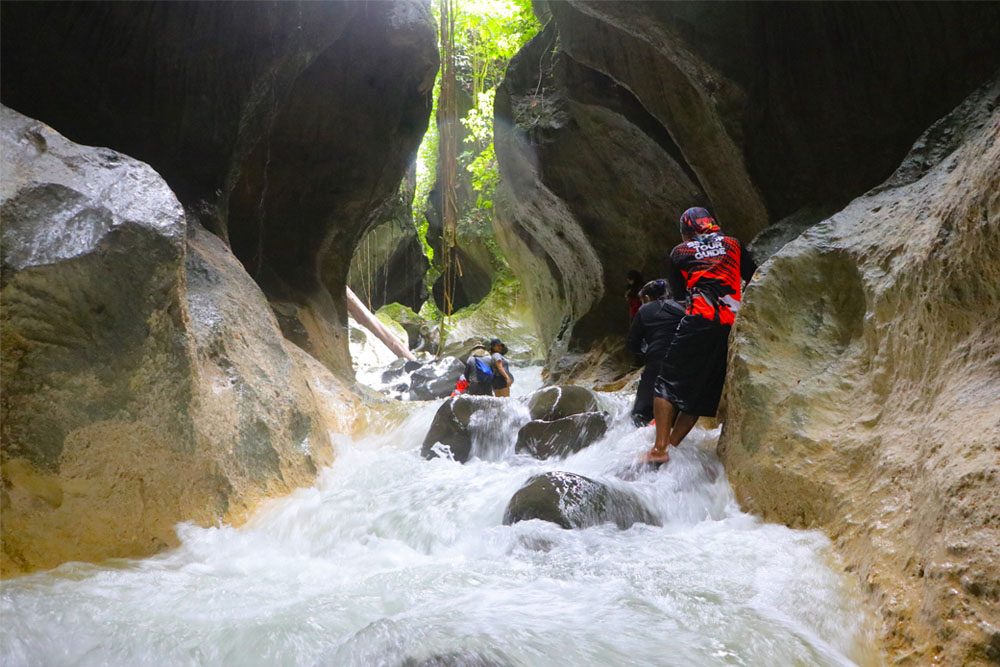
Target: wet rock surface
x=241 y=107
x=389 y=264
x=417 y=380
x=563 y=420
x=451 y=426
x=144 y=379
x=620 y=115
x=575 y=501
x=561 y=437
x=435 y=379
x=559 y=402
x=458 y=659
x=862 y=396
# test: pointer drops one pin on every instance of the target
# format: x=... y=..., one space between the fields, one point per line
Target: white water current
x=390 y=558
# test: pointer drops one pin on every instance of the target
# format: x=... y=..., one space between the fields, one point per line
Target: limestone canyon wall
x=864 y=391
x=622 y=114
x=145 y=380
x=148 y=375
x=284 y=127
x=389 y=264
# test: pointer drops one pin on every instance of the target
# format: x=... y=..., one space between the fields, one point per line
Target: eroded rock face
x=144 y=380
x=862 y=395
x=561 y=437
x=575 y=501
x=478 y=274
x=620 y=115
x=389 y=265
x=580 y=133
x=286 y=128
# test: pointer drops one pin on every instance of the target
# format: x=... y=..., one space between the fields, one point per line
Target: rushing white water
x=390 y=557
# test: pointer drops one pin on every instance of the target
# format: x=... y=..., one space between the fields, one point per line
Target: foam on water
x=390 y=556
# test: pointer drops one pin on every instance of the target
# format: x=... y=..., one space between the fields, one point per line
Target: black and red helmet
x=697 y=221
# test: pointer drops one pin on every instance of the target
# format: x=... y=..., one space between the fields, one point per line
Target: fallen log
x=367 y=319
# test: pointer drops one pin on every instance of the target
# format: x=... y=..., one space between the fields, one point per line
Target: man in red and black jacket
x=709 y=268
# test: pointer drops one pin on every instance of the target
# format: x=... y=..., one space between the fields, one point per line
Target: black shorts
x=694 y=370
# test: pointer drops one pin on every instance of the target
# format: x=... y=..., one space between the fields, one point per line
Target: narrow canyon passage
x=205 y=459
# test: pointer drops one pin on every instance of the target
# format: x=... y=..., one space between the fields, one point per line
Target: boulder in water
x=435 y=379
x=392 y=375
x=559 y=402
x=451 y=426
x=561 y=437
x=460 y=659
x=575 y=501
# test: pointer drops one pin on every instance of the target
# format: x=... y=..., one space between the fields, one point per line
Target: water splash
x=390 y=557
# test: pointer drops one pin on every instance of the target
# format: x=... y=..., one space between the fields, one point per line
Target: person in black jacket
x=650 y=335
x=709 y=268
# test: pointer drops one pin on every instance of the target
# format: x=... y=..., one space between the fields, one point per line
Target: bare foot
x=653 y=456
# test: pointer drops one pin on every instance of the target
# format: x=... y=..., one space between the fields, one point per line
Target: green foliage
x=426 y=173
x=430 y=311
x=482 y=163
x=487 y=34
x=492 y=31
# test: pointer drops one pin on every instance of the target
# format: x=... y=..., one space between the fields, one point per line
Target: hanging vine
x=448 y=159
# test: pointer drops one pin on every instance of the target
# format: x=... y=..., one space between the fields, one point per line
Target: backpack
x=478 y=371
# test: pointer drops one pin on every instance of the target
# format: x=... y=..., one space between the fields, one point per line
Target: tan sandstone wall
x=864 y=394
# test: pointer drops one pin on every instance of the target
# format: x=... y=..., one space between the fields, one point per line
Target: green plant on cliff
x=493 y=31
x=487 y=35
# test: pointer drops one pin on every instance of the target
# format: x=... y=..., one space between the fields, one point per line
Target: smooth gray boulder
x=558 y=402
x=451 y=426
x=561 y=437
x=575 y=501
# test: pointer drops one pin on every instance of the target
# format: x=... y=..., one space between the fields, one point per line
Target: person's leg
x=642 y=408
x=685 y=422
x=663 y=412
x=502 y=391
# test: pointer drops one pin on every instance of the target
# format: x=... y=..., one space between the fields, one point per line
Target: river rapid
x=391 y=559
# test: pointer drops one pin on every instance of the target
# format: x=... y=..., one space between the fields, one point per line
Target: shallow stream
x=390 y=557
